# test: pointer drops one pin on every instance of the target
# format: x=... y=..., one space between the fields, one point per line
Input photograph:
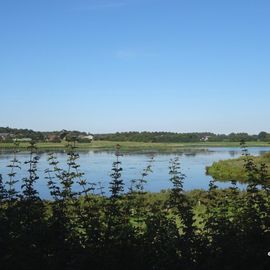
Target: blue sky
x=122 y=65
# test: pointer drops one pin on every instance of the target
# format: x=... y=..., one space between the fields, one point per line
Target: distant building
x=4 y=136
x=88 y=137
x=23 y=140
x=205 y=138
x=53 y=138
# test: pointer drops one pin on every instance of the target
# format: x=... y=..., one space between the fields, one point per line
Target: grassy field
x=135 y=146
x=233 y=169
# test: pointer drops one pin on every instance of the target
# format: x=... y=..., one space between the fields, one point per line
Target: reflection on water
x=263 y=152
x=233 y=153
x=97 y=166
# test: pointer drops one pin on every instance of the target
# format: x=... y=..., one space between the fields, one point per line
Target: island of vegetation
x=233 y=169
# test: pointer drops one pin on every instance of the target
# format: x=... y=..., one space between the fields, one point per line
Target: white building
x=205 y=138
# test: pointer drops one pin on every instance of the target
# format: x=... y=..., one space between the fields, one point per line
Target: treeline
x=10 y=134
x=182 y=137
x=88 y=230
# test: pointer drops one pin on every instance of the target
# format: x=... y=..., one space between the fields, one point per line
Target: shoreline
x=134 y=146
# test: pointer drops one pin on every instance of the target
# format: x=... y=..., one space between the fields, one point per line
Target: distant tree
x=264 y=136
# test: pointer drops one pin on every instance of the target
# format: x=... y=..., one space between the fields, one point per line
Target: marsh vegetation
x=233 y=169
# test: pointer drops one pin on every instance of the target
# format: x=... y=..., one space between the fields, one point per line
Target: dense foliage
x=182 y=137
x=11 y=133
x=215 y=229
x=162 y=137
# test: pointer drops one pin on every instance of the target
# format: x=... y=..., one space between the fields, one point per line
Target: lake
x=97 y=166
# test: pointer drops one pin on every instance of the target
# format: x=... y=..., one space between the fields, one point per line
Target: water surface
x=97 y=166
